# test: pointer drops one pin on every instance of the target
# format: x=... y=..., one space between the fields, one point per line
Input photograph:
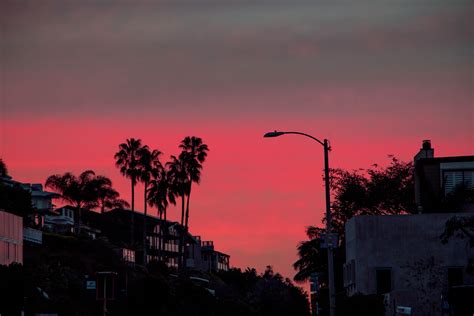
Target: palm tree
x=128 y=160
x=108 y=197
x=312 y=258
x=196 y=153
x=79 y=191
x=178 y=178
x=161 y=194
x=179 y=183
x=150 y=166
x=3 y=169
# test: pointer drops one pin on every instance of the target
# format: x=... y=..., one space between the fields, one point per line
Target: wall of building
x=410 y=246
x=11 y=238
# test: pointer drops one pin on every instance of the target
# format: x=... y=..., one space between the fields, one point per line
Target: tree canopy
x=374 y=191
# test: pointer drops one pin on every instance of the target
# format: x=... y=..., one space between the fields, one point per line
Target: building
x=61 y=220
x=11 y=238
x=213 y=260
x=436 y=178
x=115 y=225
x=402 y=256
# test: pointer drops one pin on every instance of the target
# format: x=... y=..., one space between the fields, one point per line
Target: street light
x=324 y=143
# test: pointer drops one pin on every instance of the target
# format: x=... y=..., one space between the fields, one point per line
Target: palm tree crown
x=107 y=196
x=127 y=159
x=79 y=191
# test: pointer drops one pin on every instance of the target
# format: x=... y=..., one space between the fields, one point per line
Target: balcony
x=33 y=235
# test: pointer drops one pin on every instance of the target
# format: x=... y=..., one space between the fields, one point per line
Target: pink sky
x=375 y=79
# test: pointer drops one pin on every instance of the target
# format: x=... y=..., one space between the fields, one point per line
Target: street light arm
x=324 y=143
x=307 y=135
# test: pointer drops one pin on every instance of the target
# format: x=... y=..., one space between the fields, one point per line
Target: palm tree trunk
x=160 y=217
x=78 y=222
x=181 y=260
x=187 y=207
x=144 y=225
x=164 y=232
x=133 y=209
x=182 y=208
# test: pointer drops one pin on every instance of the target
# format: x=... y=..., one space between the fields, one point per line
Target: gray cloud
x=102 y=56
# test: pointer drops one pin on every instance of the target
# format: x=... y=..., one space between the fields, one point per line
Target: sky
x=374 y=77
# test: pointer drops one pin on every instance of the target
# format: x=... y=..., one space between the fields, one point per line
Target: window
x=455 y=276
x=383 y=280
x=454 y=178
x=128 y=255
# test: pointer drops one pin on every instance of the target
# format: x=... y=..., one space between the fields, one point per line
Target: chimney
x=426 y=151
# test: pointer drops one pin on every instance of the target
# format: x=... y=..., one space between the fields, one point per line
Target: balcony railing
x=33 y=235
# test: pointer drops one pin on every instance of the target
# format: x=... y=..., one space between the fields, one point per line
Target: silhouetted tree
x=16 y=200
x=375 y=191
x=127 y=159
x=265 y=294
x=161 y=194
x=150 y=166
x=107 y=196
x=3 y=169
x=79 y=191
x=461 y=227
x=311 y=257
x=196 y=153
x=179 y=183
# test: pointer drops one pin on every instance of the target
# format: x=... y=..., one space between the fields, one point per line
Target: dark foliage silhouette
x=80 y=191
x=160 y=194
x=150 y=167
x=3 y=169
x=127 y=159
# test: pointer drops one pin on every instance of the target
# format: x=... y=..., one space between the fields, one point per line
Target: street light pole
x=332 y=290
x=325 y=144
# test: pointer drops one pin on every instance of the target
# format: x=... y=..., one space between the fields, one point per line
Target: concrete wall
x=410 y=246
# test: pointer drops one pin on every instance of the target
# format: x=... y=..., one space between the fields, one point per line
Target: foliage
x=85 y=190
x=3 y=169
x=16 y=200
x=106 y=197
x=265 y=294
x=78 y=191
x=375 y=191
x=194 y=153
x=455 y=200
x=311 y=257
x=459 y=226
x=127 y=159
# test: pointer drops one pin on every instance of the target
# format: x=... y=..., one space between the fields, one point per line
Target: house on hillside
x=115 y=225
x=402 y=256
x=11 y=238
x=213 y=260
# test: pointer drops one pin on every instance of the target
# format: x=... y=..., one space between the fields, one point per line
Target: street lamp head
x=273 y=134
